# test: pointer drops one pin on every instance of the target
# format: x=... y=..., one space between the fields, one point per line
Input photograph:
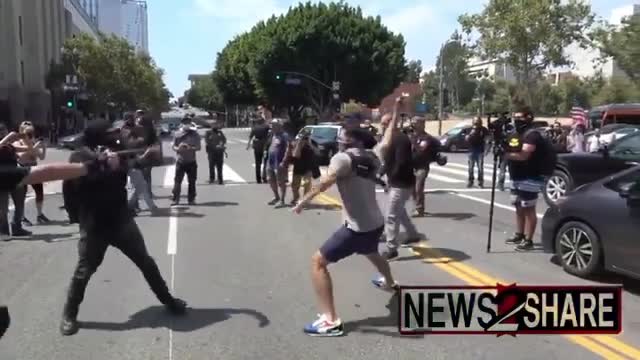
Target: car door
x=622 y=211
x=623 y=153
x=461 y=141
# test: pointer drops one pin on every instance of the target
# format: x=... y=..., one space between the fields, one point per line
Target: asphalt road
x=243 y=266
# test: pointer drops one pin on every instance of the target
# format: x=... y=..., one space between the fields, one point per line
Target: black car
x=597 y=227
x=454 y=139
x=325 y=138
x=573 y=170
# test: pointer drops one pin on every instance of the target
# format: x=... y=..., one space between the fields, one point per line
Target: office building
x=126 y=19
x=586 y=61
x=32 y=33
x=491 y=69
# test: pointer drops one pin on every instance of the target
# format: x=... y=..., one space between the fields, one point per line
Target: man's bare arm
x=323 y=185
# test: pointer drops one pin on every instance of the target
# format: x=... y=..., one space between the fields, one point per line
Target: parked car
x=454 y=139
x=588 y=238
x=574 y=170
x=611 y=132
x=325 y=138
x=71 y=142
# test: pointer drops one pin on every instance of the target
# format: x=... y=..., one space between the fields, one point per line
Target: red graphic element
x=508 y=302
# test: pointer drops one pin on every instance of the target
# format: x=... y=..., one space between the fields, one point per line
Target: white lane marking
x=238 y=140
x=230 y=176
x=487 y=202
x=444 y=179
x=466 y=166
x=170 y=172
x=172 y=243
x=465 y=173
x=452 y=190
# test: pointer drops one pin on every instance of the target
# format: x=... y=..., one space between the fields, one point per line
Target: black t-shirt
x=305 y=163
x=531 y=168
x=11 y=176
x=99 y=203
x=425 y=149
x=477 y=138
x=260 y=133
x=150 y=136
x=398 y=162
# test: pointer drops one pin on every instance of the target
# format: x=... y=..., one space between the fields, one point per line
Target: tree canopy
x=205 y=95
x=414 y=71
x=529 y=35
x=113 y=74
x=324 y=43
x=623 y=45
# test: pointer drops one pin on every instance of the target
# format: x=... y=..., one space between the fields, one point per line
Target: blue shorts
x=524 y=193
x=346 y=242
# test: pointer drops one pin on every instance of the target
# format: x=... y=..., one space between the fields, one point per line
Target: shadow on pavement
x=435 y=255
x=48 y=238
x=386 y=325
x=157 y=317
x=179 y=212
x=607 y=278
x=452 y=216
x=216 y=204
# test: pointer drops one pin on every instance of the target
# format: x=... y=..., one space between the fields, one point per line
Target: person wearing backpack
x=531 y=159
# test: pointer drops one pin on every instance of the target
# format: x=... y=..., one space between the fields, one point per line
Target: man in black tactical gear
x=258 y=139
x=216 y=144
x=100 y=206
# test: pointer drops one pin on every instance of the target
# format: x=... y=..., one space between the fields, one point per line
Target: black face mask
x=521 y=125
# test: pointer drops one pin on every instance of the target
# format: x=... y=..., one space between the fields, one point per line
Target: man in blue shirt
x=276 y=164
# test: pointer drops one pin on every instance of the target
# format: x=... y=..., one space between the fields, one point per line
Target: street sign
x=70 y=88
x=293 y=81
x=422 y=108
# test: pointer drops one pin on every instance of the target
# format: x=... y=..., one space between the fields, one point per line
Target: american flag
x=579 y=115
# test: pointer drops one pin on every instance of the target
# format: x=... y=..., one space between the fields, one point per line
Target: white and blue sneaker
x=324 y=327
x=381 y=284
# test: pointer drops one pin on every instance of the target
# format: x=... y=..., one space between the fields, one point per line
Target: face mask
x=520 y=125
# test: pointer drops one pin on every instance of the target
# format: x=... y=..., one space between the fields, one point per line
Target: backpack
x=548 y=156
x=364 y=166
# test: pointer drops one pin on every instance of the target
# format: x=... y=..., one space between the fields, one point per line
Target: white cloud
x=237 y=9
x=410 y=20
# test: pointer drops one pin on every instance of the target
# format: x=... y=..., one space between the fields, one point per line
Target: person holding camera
x=186 y=144
x=216 y=144
x=304 y=165
x=101 y=208
x=426 y=148
x=477 y=140
x=397 y=153
x=531 y=159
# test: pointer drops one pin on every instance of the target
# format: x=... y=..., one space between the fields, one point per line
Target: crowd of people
x=400 y=157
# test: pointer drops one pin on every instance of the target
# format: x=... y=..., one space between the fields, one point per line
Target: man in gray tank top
x=353 y=170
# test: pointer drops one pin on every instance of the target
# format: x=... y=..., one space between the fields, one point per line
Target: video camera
x=499 y=129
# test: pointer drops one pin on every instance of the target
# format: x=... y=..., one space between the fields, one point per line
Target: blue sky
x=186 y=35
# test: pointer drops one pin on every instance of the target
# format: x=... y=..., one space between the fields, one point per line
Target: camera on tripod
x=499 y=129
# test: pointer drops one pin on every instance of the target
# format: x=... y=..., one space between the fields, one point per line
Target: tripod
x=496 y=156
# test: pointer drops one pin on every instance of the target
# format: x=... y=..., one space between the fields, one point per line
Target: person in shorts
x=353 y=170
x=276 y=165
x=525 y=160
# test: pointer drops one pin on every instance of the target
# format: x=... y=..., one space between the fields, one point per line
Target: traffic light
x=278 y=76
x=69 y=104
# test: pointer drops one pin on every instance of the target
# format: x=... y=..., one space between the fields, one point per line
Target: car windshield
x=627 y=147
x=322 y=132
x=454 y=131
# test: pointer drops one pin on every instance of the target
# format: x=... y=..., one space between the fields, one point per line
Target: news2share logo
x=510 y=310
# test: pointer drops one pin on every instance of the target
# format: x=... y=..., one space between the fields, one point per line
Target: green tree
x=459 y=87
x=548 y=99
x=573 y=92
x=414 y=70
x=205 y=95
x=529 y=35
x=430 y=91
x=623 y=45
x=327 y=42
x=617 y=91
x=113 y=74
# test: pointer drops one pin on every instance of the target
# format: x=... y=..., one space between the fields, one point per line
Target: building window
x=20 y=29
x=22 y=71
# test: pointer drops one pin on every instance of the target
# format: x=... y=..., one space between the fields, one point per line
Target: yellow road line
x=598 y=344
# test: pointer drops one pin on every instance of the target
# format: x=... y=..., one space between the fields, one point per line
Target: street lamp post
x=334 y=87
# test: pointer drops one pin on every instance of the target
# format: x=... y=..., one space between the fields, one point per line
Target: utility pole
x=441 y=87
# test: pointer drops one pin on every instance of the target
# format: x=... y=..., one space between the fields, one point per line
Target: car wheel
x=578 y=248
x=556 y=187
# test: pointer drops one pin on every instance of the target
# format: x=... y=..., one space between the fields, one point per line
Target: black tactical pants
x=92 y=247
x=216 y=163
x=258 y=156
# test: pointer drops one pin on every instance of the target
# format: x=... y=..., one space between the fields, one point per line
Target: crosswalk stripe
x=465 y=166
x=445 y=179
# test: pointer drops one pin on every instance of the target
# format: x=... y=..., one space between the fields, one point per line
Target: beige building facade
x=32 y=33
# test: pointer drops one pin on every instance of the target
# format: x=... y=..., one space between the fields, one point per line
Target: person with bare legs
x=354 y=171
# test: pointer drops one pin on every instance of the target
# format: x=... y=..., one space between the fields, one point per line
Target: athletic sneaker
x=324 y=327
x=381 y=284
